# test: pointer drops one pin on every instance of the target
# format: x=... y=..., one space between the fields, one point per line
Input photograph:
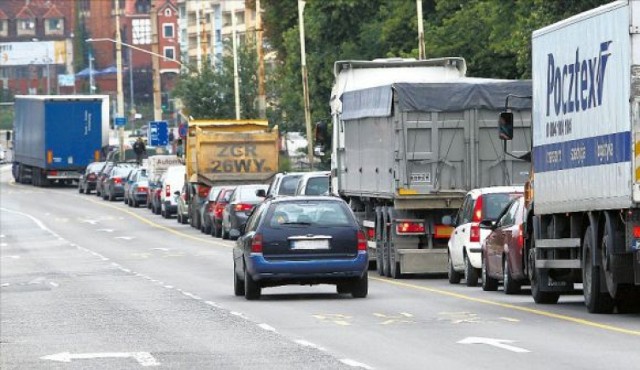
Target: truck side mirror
x=505 y=125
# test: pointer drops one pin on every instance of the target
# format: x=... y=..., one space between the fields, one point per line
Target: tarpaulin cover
x=443 y=97
x=372 y=102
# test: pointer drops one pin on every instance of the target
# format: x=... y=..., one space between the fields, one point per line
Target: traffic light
x=164 y=102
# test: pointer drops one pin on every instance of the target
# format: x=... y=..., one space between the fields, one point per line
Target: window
x=169 y=53
x=26 y=27
x=4 y=30
x=141 y=30
x=167 y=30
x=143 y=6
x=167 y=13
x=54 y=26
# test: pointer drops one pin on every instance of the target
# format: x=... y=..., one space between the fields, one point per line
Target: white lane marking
x=125 y=237
x=267 y=327
x=92 y=222
x=212 y=304
x=4 y=285
x=354 y=363
x=35 y=220
x=2 y=236
x=160 y=249
x=12 y=257
x=498 y=343
x=305 y=343
x=125 y=270
x=193 y=296
x=106 y=230
x=54 y=284
x=143 y=358
x=509 y=319
x=169 y=286
x=239 y=314
x=3 y=244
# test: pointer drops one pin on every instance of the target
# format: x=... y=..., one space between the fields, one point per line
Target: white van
x=172 y=181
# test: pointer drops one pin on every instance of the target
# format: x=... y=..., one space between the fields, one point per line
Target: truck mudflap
x=423 y=261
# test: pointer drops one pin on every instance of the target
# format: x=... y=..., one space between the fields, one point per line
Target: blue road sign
x=182 y=130
x=120 y=121
x=158 y=133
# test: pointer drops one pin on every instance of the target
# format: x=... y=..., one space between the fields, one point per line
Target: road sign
x=120 y=121
x=158 y=134
x=182 y=130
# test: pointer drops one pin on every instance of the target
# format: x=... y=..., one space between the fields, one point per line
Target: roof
x=25 y=13
x=53 y=12
x=302 y=198
x=3 y=15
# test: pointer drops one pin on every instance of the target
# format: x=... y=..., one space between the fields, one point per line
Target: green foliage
x=494 y=36
x=210 y=92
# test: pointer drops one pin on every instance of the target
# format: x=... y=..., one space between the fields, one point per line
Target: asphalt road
x=87 y=283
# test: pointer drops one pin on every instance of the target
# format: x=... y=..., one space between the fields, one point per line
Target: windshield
x=317 y=186
x=314 y=213
x=289 y=185
x=248 y=193
x=493 y=204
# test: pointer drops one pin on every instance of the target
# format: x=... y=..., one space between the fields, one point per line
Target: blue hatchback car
x=301 y=240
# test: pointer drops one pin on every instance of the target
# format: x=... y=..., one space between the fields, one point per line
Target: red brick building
x=36 y=45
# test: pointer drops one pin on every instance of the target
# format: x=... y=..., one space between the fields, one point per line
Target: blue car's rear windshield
x=311 y=213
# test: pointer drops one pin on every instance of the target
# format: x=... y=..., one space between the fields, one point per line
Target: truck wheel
x=386 y=270
x=489 y=284
x=360 y=287
x=470 y=273
x=595 y=300
x=394 y=265
x=252 y=289
x=238 y=285
x=510 y=286
x=454 y=276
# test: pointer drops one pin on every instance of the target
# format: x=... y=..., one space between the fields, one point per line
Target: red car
x=503 y=250
x=216 y=211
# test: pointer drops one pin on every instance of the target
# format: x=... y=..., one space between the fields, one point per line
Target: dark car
x=240 y=206
x=113 y=187
x=218 y=209
x=502 y=250
x=301 y=240
x=88 y=179
x=103 y=175
x=153 y=194
x=137 y=188
x=206 y=209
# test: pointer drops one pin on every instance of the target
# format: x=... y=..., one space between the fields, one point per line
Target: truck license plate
x=421 y=177
x=310 y=244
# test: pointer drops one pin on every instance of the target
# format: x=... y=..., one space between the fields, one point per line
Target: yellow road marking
x=512 y=307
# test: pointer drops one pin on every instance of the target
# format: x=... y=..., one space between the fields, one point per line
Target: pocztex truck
x=57 y=136
x=227 y=152
x=410 y=138
x=583 y=222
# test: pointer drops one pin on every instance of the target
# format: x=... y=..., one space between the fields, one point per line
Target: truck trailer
x=227 y=152
x=410 y=138
x=57 y=136
x=583 y=221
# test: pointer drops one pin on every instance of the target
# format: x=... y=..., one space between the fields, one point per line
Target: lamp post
x=236 y=78
x=119 y=92
x=305 y=84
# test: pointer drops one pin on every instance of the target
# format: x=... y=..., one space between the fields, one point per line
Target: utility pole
x=131 y=100
x=91 y=81
x=120 y=95
x=305 y=83
x=198 y=40
x=236 y=78
x=155 y=65
x=421 y=48
x=262 y=96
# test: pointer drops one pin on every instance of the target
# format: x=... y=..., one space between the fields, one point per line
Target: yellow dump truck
x=227 y=152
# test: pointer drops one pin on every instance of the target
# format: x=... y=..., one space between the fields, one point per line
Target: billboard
x=35 y=52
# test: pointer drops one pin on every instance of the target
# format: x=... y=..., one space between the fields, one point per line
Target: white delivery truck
x=410 y=139
x=583 y=221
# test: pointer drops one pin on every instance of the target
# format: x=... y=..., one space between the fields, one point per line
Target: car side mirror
x=488 y=224
x=261 y=193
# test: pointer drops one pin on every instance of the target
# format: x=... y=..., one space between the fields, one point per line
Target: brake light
x=636 y=232
x=521 y=236
x=117 y=180
x=53 y=173
x=256 y=244
x=142 y=189
x=218 y=210
x=408 y=227
x=474 y=236
x=203 y=191
x=477 y=210
x=241 y=207
x=362 y=241
x=371 y=233
x=167 y=190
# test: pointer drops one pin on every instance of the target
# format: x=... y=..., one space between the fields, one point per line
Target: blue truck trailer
x=57 y=136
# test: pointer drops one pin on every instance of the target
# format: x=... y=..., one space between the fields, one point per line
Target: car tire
x=80 y=190
x=206 y=229
x=252 y=290
x=184 y=220
x=360 y=287
x=87 y=190
x=453 y=275
x=470 y=273
x=225 y=234
x=489 y=284
x=179 y=219
x=126 y=201
x=510 y=285
x=135 y=203
x=111 y=197
x=238 y=285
